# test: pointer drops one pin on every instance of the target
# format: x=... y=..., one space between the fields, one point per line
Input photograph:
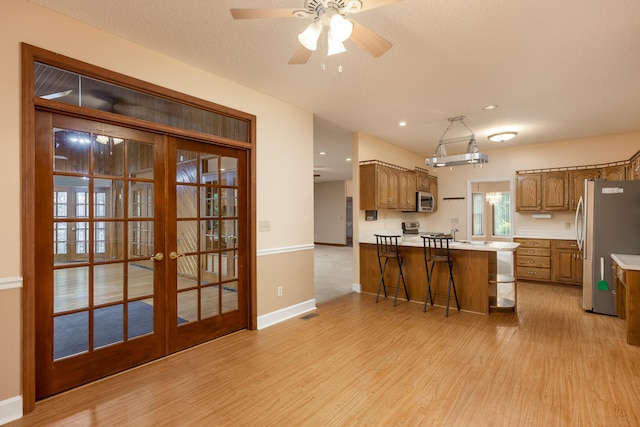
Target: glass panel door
x=210 y=290
x=99 y=278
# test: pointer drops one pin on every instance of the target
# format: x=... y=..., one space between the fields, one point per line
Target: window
x=501 y=216
x=478 y=214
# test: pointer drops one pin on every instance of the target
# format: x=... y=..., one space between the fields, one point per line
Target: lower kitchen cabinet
x=549 y=260
x=566 y=262
x=534 y=259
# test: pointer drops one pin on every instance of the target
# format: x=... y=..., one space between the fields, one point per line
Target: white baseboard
x=356 y=287
x=278 y=316
x=10 y=409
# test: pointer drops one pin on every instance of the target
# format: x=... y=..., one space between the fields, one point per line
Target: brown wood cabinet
x=545 y=191
x=528 y=192
x=429 y=184
x=566 y=262
x=628 y=301
x=407 y=190
x=576 y=184
x=422 y=180
x=614 y=173
x=555 y=191
x=433 y=189
x=533 y=259
x=386 y=186
x=633 y=172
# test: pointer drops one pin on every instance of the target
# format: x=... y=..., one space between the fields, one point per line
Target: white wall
x=330 y=208
x=283 y=198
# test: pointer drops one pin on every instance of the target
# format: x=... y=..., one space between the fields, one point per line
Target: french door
x=140 y=247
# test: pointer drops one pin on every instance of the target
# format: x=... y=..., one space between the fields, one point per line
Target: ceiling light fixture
x=473 y=156
x=490 y=107
x=309 y=37
x=502 y=136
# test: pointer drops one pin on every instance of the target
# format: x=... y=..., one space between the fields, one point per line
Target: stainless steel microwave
x=424 y=202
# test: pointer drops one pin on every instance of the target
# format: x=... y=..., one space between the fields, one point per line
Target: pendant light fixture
x=472 y=156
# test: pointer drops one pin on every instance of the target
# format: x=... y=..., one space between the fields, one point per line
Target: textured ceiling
x=556 y=69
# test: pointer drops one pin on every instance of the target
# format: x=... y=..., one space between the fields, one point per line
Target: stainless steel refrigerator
x=607 y=222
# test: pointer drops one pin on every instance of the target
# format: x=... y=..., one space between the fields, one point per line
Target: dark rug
x=71 y=331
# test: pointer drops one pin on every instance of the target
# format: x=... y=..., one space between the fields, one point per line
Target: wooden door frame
x=29 y=104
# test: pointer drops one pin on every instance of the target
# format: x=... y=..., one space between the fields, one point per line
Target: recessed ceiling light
x=502 y=136
x=402 y=124
x=490 y=107
x=322 y=153
x=348 y=159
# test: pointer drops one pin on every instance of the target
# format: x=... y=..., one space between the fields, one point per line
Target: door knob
x=157 y=257
x=175 y=255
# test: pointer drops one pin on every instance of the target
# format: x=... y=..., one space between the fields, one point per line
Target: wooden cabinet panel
x=433 y=189
x=614 y=173
x=385 y=186
x=576 y=184
x=555 y=191
x=634 y=168
x=566 y=262
x=422 y=180
x=532 y=273
x=528 y=192
x=533 y=259
x=407 y=190
x=533 y=243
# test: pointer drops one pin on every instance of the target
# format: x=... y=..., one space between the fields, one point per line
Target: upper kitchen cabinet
x=386 y=186
x=433 y=189
x=633 y=171
x=576 y=184
x=422 y=177
x=546 y=191
x=555 y=191
x=614 y=173
x=528 y=192
x=427 y=183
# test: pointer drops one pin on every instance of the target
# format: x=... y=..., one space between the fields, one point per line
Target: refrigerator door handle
x=579 y=224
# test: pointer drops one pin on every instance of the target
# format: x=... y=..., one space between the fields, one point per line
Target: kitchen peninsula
x=475 y=263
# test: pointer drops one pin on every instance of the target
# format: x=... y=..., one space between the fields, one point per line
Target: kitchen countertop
x=415 y=240
x=627 y=262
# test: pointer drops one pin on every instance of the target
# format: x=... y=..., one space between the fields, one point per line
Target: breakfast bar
x=475 y=263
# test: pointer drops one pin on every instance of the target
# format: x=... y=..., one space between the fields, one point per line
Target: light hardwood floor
x=361 y=363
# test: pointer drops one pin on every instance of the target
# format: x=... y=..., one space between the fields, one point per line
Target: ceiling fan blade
x=373 y=43
x=372 y=4
x=300 y=56
x=262 y=13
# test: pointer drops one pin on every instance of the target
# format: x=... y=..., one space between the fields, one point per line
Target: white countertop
x=414 y=240
x=627 y=262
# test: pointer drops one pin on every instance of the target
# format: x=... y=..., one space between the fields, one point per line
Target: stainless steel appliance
x=607 y=221
x=424 y=202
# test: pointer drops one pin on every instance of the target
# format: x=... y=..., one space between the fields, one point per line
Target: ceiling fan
x=332 y=15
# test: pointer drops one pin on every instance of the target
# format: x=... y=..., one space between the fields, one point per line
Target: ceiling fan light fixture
x=334 y=46
x=309 y=37
x=340 y=28
x=502 y=136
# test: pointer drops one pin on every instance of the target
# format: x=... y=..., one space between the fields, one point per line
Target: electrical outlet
x=455 y=220
x=279 y=291
x=567 y=225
